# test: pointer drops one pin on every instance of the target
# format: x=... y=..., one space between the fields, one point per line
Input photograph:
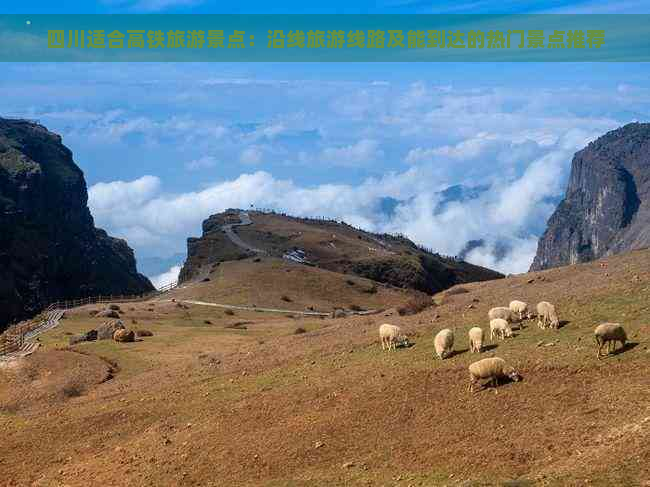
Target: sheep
x=546 y=315
x=608 y=334
x=501 y=312
x=443 y=343
x=520 y=308
x=475 y=339
x=390 y=335
x=493 y=368
x=500 y=328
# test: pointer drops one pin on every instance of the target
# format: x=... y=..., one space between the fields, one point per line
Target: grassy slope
x=266 y=282
x=289 y=410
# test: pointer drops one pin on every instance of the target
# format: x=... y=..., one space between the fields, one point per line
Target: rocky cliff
x=49 y=246
x=606 y=209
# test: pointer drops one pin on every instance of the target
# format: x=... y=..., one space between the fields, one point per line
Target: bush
x=415 y=305
x=207 y=322
x=299 y=331
x=229 y=312
x=371 y=290
x=285 y=298
x=356 y=307
x=349 y=282
x=114 y=307
x=143 y=333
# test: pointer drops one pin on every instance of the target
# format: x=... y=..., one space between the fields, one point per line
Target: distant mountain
x=458 y=193
x=606 y=209
x=49 y=247
x=330 y=245
x=154 y=266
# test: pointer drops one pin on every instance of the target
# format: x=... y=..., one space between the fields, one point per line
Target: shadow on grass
x=562 y=324
x=487 y=348
x=457 y=352
x=628 y=346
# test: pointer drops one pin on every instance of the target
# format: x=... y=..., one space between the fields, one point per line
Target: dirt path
x=251 y=308
x=245 y=219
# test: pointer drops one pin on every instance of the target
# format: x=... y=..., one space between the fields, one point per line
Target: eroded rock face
x=606 y=209
x=49 y=247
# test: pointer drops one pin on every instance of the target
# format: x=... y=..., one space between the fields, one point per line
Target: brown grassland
x=214 y=399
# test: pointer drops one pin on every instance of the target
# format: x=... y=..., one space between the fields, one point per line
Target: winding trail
x=255 y=308
x=29 y=346
x=244 y=219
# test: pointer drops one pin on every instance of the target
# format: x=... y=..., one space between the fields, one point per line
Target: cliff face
x=606 y=209
x=49 y=246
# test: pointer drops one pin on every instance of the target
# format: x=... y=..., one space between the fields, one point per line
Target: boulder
x=107 y=330
x=108 y=313
x=124 y=336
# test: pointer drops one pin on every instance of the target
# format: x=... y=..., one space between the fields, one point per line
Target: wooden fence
x=13 y=338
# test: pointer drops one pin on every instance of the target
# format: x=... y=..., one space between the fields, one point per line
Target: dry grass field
x=215 y=399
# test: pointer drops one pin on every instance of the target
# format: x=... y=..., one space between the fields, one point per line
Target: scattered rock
x=540 y=343
x=319 y=444
x=348 y=465
x=124 y=336
x=530 y=281
x=108 y=313
x=107 y=330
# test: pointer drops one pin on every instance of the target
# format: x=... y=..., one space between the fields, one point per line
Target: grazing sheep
x=608 y=334
x=475 y=339
x=500 y=328
x=493 y=368
x=546 y=315
x=390 y=335
x=444 y=343
x=503 y=313
x=520 y=308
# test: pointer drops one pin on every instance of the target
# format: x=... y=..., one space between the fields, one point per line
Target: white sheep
x=493 y=368
x=608 y=334
x=520 y=308
x=390 y=336
x=503 y=313
x=444 y=343
x=500 y=328
x=547 y=316
x=475 y=339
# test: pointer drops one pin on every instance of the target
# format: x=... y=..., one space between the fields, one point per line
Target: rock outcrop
x=606 y=209
x=49 y=247
x=331 y=245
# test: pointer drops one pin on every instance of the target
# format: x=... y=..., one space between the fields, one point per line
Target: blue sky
x=165 y=145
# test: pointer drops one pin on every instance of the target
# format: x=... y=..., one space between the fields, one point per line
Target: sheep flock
x=501 y=319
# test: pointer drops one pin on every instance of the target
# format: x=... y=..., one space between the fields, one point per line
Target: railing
x=13 y=338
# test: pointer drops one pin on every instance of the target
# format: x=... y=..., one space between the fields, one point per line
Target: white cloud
x=205 y=162
x=359 y=153
x=166 y=277
x=106 y=196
